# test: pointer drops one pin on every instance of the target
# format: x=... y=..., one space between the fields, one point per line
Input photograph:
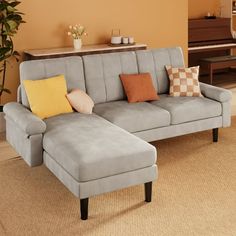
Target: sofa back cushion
x=102 y=75
x=70 y=67
x=154 y=62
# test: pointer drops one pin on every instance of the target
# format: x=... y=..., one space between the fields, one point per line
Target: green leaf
x=4 y=50
x=3 y=6
x=14 y=16
x=14 y=4
x=9 y=43
x=10 y=19
x=7 y=27
x=4 y=90
x=12 y=24
x=4 y=39
x=4 y=57
x=10 y=9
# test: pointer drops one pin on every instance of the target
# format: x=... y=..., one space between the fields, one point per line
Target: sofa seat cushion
x=88 y=147
x=133 y=117
x=186 y=109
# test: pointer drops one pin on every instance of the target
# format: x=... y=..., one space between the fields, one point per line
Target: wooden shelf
x=85 y=50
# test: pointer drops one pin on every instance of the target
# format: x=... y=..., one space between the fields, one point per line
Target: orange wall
x=199 y=8
x=161 y=23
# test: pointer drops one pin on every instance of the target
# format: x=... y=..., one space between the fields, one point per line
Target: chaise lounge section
x=108 y=150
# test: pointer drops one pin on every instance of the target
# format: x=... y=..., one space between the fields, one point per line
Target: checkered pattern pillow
x=184 y=81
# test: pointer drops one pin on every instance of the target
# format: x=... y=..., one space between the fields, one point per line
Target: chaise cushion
x=133 y=117
x=88 y=147
x=186 y=109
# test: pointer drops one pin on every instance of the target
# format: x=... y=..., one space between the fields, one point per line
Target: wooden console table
x=214 y=63
x=85 y=50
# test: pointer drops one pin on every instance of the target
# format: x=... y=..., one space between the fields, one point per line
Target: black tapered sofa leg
x=148 y=192
x=215 y=134
x=84 y=208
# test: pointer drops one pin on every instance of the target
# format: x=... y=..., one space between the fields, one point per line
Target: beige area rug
x=194 y=195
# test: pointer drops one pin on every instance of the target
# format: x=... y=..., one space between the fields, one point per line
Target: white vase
x=77 y=44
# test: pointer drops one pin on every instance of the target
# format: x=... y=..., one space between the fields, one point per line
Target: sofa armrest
x=215 y=93
x=221 y=95
x=25 y=119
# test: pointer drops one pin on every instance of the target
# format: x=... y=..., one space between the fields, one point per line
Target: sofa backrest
x=102 y=74
x=71 y=67
x=154 y=62
x=98 y=74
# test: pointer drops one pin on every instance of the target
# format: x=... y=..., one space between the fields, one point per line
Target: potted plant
x=76 y=32
x=10 y=19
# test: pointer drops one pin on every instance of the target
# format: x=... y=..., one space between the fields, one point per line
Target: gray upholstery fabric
x=70 y=67
x=215 y=93
x=186 y=109
x=180 y=129
x=102 y=74
x=154 y=62
x=89 y=147
x=103 y=185
x=25 y=119
x=133 y=117
x=226 y=114
x=29 y=147
x=19 y=99
x=222 y=95
x=89 y=154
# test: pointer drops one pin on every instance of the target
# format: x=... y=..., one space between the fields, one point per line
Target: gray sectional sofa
x=109 y=150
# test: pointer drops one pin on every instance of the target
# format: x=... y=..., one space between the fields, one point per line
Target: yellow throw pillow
x=47 y=97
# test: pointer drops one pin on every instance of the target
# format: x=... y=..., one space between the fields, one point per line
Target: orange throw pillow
x=139 y=87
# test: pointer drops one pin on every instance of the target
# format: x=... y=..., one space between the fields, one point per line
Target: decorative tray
x=210 y=17
x=121 y=44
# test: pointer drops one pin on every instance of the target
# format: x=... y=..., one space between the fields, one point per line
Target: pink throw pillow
x=80 y=101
